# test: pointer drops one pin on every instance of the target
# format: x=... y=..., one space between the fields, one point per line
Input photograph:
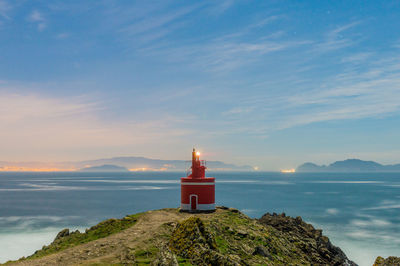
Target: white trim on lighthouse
x=196 y=188
x=200 y=207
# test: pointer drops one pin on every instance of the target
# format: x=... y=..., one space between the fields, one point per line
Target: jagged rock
x=128 y=257
x=310 y=240
x=62 y=233
x=165 y=258
x=262 y=251
x=242 y=233
x=390 y=261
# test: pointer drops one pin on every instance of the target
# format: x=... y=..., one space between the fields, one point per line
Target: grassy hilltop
x=170 y=237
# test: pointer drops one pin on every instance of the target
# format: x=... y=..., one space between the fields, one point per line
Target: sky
x=271 y=84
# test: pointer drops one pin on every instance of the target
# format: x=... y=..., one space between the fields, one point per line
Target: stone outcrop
x=390 y=261
x=193 y=241
x=310 y=240
x=62 y=233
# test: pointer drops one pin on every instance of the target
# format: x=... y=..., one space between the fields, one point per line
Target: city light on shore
x=288 y=171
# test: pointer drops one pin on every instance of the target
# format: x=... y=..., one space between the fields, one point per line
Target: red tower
x=197 y=190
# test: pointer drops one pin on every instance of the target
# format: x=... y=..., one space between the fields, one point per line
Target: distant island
x=105 y=168
x=349 y=165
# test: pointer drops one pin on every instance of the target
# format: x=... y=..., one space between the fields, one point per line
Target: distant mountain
x=105 y=168
x=142 y=163
x=349 y=165
x=131 y=163
x=311 y=167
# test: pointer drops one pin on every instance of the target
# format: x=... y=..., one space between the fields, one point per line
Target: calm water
x=358 y=212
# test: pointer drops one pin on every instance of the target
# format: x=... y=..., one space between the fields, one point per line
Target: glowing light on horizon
x=146 y=169
x=198 y=153
x=28 y=169
x=287 y=171
x=53 y=169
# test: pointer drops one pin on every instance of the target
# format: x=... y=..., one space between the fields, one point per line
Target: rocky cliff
x=317 y=247
x=170 y=237
x=390 y=261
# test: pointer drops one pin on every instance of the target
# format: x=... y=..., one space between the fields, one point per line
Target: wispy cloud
x=148 y=35
x=37 y=17
x=335 y=39
x=5 y=7
x=346 y=92
x=39 y=124
x=225 y=56
x=219 y=7
x=252 y=76
x=239 y=111
x=396 y=44
x=63 y=35
x=357 y=58
x=153 y=24
x=230 y=51
x=351 y=95
x=17 y=107
x=371 y=91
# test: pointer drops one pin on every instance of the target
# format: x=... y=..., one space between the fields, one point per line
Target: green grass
x=183 y=261
x=101 y=230
x=222 y=244
x=235 y=218
x=146 y=256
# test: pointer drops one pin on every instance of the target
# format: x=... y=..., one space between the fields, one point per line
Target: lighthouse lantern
x=197 y=190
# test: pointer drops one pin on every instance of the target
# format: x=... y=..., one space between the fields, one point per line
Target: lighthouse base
x=199 y=208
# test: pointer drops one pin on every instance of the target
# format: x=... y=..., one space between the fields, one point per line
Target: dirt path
x=112 y=248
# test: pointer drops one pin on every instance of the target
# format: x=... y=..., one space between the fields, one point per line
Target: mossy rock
x=191 y=240
x=190 y=236
x=390 y=261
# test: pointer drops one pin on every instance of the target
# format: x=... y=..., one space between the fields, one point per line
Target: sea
x=359 y=212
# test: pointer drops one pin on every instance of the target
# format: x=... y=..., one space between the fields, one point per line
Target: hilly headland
x=171 y=237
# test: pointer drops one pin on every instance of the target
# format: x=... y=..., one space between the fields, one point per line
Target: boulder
x=262 y=251
x=62 y=233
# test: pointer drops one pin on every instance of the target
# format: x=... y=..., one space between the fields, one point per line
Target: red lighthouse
x=197 y=190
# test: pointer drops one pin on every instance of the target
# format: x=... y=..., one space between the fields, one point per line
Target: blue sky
x=267 y=83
